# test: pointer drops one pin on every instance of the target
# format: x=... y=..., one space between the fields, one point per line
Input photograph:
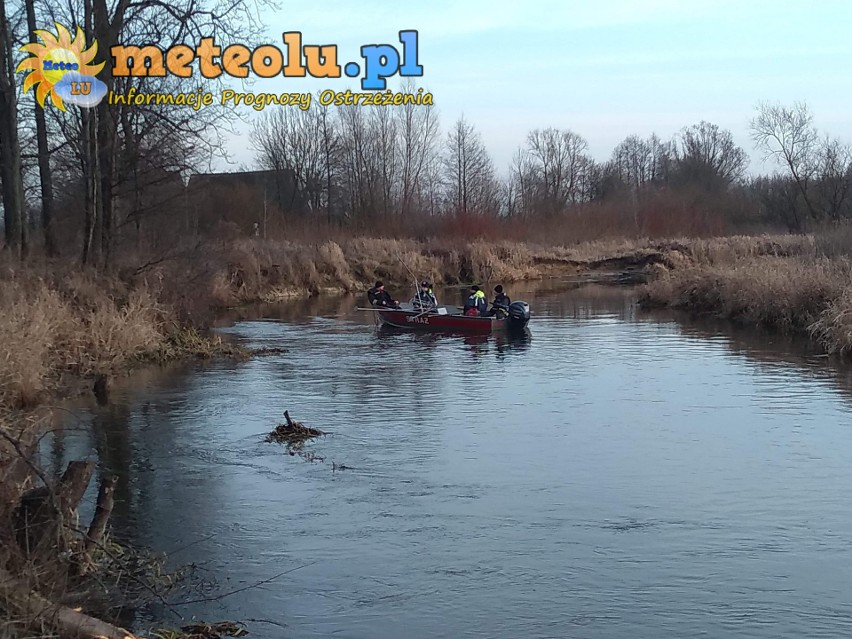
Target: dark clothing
x=501 y=299
x=380 y=297
x=425 y=299
x=500 y=305
x=476 y=301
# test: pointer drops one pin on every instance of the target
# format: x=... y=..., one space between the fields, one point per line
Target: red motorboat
x=451 y=319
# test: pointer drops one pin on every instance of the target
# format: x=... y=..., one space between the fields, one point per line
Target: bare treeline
x=91 y=184
x=357 y=163
x=815 y=175
x=93 y=180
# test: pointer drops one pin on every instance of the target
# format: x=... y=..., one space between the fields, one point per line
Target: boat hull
x=416 y=321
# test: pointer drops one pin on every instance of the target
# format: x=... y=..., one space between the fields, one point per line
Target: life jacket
x=481 y=302
x=477 y=302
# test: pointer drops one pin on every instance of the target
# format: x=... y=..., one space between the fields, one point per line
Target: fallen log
x=38 y=612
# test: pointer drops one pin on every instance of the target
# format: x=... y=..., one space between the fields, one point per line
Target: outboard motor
x=519 y=315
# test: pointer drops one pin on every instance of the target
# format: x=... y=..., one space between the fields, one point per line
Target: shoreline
x=63 y=328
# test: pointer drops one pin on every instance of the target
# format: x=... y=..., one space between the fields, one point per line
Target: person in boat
x=476 y=303
x=424 y=298
x=500 y=305
x=378 y=296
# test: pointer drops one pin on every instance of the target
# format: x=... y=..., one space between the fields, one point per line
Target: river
x=615 y=474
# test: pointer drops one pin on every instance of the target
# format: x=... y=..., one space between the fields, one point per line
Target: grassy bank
x=59 y=324
x=794 y=284
x=58 y=329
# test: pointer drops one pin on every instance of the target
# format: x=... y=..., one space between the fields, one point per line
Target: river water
x=614 y=474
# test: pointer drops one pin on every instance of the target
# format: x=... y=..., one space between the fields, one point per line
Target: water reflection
x=501 y=343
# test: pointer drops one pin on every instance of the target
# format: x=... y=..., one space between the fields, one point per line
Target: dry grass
x=796 y=284
x=780 y=293
x=268 y=270
x=58 y=322
x=54 y=326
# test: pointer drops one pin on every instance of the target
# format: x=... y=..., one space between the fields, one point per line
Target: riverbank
x=793 y=284
x=60 y=328
x=60 y=325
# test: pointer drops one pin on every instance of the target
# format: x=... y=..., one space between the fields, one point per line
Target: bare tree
x=468 y=172
x=833 y=178
x=383 y=138
x=10 y=152
x=329 y=137
x=356 y=164
x=45 y=175
x=638 y=162
x=139 y=22
x=788 y=136
x=297 y=141
x=708 y=156
x=522 y=190
x=417 y=127
x=553 y=171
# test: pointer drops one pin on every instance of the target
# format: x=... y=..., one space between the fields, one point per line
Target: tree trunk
x=44 y=511
x=107 y=29
x=10 y=152
x=106 y=169
x=91 y=230
x=44 y=173
x=103 y=510
x=38 y=612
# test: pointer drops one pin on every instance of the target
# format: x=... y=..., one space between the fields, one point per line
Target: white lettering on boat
x=417 y=320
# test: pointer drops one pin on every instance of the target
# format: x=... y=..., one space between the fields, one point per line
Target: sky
x=605 y=69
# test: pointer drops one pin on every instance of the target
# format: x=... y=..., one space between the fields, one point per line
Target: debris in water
x=293 y=433
x=204 y=631
x=267 y=350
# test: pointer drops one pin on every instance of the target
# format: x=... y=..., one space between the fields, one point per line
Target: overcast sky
x=602 y=68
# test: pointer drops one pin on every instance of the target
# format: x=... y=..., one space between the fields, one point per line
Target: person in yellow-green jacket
x=476 y=303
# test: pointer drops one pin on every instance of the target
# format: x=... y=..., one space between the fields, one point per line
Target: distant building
x=243 y=199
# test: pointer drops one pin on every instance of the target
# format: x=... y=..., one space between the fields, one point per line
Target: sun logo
x=62 y=69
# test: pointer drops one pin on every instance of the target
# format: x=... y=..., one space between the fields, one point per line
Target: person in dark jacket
x=378 y=296
x=424 y=298
x=476 y=303
x=500 y=305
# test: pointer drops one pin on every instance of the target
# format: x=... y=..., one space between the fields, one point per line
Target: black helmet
x=498 y=288
x=379 y=284
x=425 y=284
